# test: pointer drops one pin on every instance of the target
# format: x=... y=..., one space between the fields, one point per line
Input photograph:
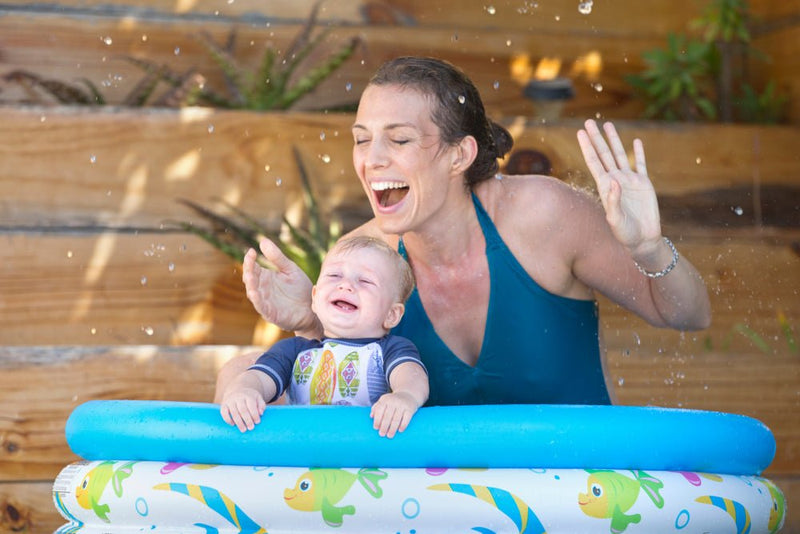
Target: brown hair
x=456 y=108
x=405 y=279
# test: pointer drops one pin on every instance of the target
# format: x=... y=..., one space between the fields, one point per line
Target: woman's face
x=399 y=158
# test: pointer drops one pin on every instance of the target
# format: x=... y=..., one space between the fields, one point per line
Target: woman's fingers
x=620 y=156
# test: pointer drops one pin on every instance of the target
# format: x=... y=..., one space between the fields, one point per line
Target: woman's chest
x=457 y=304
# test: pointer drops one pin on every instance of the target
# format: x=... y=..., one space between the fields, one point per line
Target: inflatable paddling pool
x=177 y=467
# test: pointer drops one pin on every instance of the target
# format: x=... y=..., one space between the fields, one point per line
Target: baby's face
x=356 y=295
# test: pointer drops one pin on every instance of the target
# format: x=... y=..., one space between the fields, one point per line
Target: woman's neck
x=447 y=239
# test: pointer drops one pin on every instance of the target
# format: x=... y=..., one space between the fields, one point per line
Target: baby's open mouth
x=344 y=305
x=389 y=193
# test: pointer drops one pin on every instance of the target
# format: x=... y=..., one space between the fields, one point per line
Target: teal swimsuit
x=538 y=348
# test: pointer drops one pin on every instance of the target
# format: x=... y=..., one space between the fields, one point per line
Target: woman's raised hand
x=282 y=295
x=626 y=193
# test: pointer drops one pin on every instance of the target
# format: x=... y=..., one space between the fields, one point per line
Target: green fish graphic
x=610 y=495
x=322 y=489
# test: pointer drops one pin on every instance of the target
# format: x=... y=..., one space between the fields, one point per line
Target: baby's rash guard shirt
x=352 y=372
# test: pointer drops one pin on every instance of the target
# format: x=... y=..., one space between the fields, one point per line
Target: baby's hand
x=242 y=407
x=392 y=413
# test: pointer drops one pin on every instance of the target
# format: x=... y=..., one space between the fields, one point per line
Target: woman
x=506 y=267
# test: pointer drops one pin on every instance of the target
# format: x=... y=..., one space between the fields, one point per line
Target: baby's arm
x=245 y=399
x=393 y=411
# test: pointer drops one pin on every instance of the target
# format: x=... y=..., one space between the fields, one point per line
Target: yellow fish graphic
x=320 y=490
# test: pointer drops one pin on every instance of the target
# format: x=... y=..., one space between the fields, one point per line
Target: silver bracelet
x=666 y=269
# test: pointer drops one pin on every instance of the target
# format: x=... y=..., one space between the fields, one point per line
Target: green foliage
x=766 y=107
x=234 y=234
x=676 y=83
x=724 y=20
x=276 y=83
x=706 y=78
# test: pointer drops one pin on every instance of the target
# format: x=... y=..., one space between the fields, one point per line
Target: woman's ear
x=466 y=152
x=394 y=315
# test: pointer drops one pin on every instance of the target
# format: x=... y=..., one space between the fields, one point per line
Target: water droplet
x=69 y=254
x=462 y=99
x=144 y=37
x=143 y=281
x=42 y=118
x=177 y=51
x=491 y=10
x=598 y=87
x=171 y=267
x=108 y=41
x=322 y=136
x=210 y=128
x=737 y=210
x=496 y=84
x=558 y=18
x=348 y=86
x=148 y=330
x=92 y=158
x=267 y=167
x=454 y=38
x=585 y=8
x=699 y=160
x=621 y=381
x=93 y=331
x=508 y=42
x=278 y=181
x=326 y=158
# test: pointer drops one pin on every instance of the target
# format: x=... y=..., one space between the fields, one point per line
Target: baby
x=359 y=297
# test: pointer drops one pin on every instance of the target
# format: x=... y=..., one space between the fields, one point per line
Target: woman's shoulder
x=521 y=198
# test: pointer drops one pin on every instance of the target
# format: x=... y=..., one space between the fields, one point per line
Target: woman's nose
x=376 y=155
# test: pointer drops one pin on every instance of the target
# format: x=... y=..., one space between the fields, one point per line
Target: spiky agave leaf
x=63 y=92
x=246 y=236
x=314 y=77
x=236 y=78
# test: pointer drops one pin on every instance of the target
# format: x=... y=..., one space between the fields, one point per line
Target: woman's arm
x=620 y=253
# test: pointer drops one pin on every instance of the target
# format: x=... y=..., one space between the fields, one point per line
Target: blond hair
x=405 y=279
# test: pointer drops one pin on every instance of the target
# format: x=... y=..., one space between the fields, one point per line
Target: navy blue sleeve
x=278 y=362
x=397 y=350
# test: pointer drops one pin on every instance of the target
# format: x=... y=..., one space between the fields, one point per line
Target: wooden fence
x=100 y=296
x=100 y=301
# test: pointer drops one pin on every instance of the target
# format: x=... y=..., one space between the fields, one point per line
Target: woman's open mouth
x=388 y=194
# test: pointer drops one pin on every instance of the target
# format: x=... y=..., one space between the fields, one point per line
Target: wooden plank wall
x=99 y=299
x=97 y=302
x=73 y=39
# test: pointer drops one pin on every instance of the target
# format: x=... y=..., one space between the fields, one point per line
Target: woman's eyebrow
x=391 y=126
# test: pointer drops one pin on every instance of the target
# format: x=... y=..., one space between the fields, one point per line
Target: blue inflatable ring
x=489 y=436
